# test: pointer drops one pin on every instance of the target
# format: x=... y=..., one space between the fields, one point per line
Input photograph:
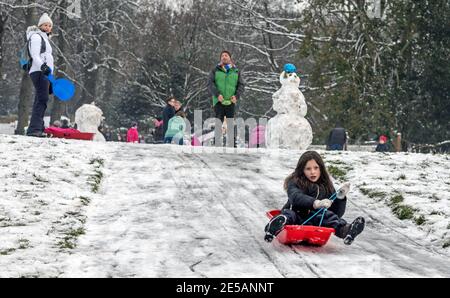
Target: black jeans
x=41 y=85
x=330 y=220
x=224 y=111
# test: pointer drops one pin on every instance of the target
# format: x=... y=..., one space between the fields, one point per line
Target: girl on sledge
x=309 y=189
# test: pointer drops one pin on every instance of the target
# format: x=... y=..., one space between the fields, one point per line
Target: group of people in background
x=225 y=85
x=173 y=122
x=338 y=141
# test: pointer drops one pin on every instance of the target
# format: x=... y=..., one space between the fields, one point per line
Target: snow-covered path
x=173 y=213
x=166 y=211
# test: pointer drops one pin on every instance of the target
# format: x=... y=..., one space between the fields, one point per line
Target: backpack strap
x=43 y=44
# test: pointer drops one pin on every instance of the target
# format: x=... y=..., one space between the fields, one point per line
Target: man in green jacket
x=226 y=86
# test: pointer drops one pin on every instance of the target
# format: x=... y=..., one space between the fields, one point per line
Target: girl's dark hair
x=302 y=181
x=170 y=99
x=181 y=114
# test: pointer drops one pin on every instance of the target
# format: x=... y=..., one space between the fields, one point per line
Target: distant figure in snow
x=158 y=136
x=309 y=189
x=382 y=144
x=65 y=123
x=176 y=128
x=337 y=139
x=133 y=134
x=178 y=106
x=40 y=51
x=168 y=113
x=226 y=86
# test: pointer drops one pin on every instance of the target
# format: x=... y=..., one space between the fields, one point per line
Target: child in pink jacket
x=133 y=134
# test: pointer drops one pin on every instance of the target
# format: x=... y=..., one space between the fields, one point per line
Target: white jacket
x=34 y=33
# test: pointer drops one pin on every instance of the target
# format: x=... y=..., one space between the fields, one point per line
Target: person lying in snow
x=309 y=189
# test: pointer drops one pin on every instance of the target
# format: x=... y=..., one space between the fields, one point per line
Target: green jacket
x=176 y=127
x=228 y=84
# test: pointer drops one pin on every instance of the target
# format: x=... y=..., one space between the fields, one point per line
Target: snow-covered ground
x=82 y=209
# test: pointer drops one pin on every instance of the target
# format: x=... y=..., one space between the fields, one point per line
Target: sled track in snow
x=165 y=211
x=386 y=252
x=210 y=223
x=206 y=166
x=263 y=247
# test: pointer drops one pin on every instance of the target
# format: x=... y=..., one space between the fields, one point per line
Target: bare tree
x=26 y=86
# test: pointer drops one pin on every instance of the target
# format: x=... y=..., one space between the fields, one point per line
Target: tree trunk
x=59 y=107
x=3 y=20
x=25 y=96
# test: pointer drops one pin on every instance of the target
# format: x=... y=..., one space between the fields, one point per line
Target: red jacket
x=133 y=135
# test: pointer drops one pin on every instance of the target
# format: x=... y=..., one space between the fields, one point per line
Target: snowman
x=289 y=129
x=88 y=118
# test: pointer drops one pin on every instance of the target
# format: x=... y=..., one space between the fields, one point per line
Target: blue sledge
x=62 y=88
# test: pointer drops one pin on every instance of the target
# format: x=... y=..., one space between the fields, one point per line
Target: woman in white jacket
x=42 y=66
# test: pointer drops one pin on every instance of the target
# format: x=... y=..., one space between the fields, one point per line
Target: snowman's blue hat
x=290 y=68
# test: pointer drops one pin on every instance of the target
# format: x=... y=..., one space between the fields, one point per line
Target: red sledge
x=68 y=133
x=317 y=236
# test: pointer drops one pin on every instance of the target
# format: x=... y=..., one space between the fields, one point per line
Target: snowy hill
x=72 y=208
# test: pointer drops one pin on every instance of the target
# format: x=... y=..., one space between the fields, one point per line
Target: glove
x=318 y=204
x=45 y=69
x=343 y=191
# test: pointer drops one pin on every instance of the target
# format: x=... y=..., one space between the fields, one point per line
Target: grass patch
x=336 y=162
x=364 y=191
x=51 y=157
x=99 y=162
x=42 y=203
x=401 y=177
x=24 y=244
x=377 y=194
x=446 y=244
x=67 y=243
x=76 y=216
x=70 y=227
x=372 y=194
x=95 y=180
x=403 y=212
x=70 y=239
x=40 y=179
x=9 y=223
x=424 y=164
x=419 y=220
x=76 y=233
x=6 y=252
x=337 y=173
x=85 y=201
x=396 y=200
